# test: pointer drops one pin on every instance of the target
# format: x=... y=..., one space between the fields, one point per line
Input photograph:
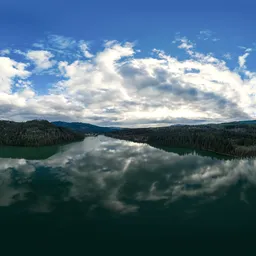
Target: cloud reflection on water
x=119 y=176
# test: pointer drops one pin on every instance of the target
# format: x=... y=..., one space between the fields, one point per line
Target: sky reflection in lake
x=120 y=176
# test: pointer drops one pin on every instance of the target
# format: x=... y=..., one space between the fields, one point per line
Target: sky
x=128 y=63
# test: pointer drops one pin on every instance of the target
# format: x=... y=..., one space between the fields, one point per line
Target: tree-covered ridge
x=35 y=133
x=235 y=139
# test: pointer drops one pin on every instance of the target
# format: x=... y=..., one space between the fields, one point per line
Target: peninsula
x=237 y=139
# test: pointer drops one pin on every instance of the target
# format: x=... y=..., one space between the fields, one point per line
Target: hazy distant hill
x=35 y=133
x=243 y=122
x=85 y=127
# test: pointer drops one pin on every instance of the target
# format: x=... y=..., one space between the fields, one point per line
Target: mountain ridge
x=85 y=127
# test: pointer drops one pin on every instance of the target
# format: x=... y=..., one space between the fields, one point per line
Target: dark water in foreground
x=107 y=191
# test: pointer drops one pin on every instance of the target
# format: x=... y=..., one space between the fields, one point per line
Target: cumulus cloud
x=41 y=59
x=117 y=87
x=10 y=69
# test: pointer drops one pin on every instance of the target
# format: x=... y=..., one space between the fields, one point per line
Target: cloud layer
x=121 y=85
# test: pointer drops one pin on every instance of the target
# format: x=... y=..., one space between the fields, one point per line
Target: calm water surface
x=103 y=189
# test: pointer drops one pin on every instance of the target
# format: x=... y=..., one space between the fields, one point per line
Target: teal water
x=108 y=191
x=30 y=153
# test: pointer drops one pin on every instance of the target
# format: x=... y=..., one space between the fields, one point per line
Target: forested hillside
x=35 y=133
x=235 y=139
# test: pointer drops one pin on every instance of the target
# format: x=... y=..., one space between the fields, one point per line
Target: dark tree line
x=233 y=139
x=35 y=133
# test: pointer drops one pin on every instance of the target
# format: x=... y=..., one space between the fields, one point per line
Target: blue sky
x=127 y=63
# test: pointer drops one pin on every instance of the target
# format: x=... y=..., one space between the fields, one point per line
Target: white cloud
x=185 y=44
x=160 y=89
x=242 y=59
x=85 y=49
x=61 y=42
x=227 y=56
x=10 y=69
x=5 y=52
x=116 y=87
x=245 y=48
x=17 y=51
x=41 y=59
x=207 y=35
x=38 y=45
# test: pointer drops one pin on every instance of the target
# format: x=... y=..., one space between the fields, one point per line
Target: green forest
x=35 y=133
x=234 y=139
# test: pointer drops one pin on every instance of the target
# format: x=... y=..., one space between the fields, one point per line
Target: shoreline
x=180 y=147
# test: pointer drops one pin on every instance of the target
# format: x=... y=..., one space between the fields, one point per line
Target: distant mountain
x=243 y=122
x=85 y=127
x=35 y=133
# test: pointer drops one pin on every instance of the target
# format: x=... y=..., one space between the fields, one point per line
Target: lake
x=103 y=189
